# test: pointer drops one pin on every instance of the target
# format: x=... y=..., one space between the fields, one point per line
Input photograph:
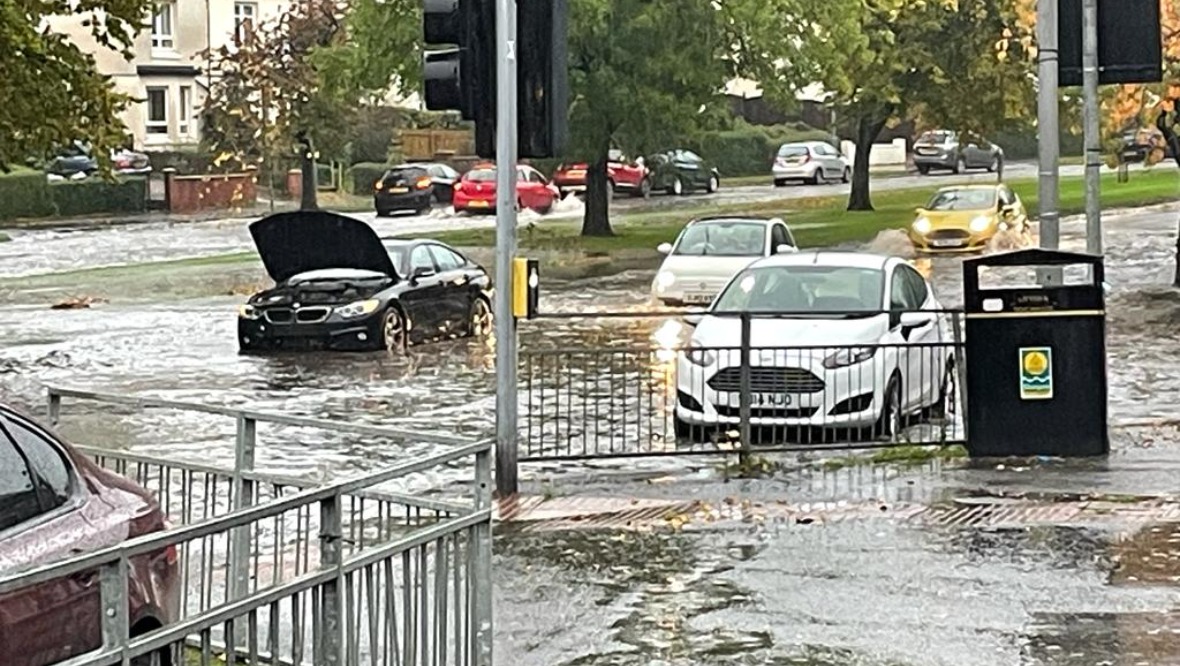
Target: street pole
x=1048 y=134
x=1090 y=116
x=506 y=142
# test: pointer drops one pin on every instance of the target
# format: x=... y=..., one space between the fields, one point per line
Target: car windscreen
x=792 y=151
x=825 y=291
x=405 y=173
x=973 y=199
x=723 y=239
x=399 y=253
x=481 y=175
x=936 y=137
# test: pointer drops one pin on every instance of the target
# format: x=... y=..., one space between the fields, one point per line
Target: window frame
x=164 y=17
x=242 y=19
x=429 y=255
x=437 y=250
x=156 y=127
x=74 y=485
x=915 y=283
x=184 y=116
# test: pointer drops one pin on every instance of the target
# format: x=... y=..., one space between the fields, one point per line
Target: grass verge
x=818 y=221
x=899 y=455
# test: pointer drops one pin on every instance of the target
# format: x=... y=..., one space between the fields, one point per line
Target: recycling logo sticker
x=1036 y=373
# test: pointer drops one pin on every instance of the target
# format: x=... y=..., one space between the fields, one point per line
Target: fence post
x=54 y=406
x=744 y=392
x=112 y=590
x=243 y=493
x=329 y=653
x=960 y=371
x=481 y=572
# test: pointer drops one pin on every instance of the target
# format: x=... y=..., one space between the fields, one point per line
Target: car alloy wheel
x=890 y=422
x=945 y=407
x=847 y=176
x=644 y=189
x=961 y=165
x=481 y=319
x=714 y=184
x=994 y=166
x=677 y=187
x=393 y=331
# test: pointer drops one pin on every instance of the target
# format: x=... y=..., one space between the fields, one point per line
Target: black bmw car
x=339 y=286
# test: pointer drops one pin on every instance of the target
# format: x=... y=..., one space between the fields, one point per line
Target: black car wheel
x=713 y=185
x=924 y=170
x=393 y=331
x=995 y=165
x=644 y=188
x=889 y=424
x=945 y=407
x=423 y=210
x=846 y=177
x=960 y=165
x=677 y=186
x=480 y=322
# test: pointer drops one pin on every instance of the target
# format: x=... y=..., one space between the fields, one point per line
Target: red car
x=56 y=503
x=624 y=176
x=476 y=190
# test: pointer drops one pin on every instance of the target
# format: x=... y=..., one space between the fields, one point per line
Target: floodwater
x=876 y=591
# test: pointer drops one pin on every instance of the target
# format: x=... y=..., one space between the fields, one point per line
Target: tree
x=53 y=92
x=1132 y=107
x=270 y=97
x=959 y=63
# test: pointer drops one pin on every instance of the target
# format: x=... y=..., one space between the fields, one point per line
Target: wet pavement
x=753 y=586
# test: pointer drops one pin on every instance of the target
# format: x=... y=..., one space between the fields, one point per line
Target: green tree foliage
x=51 y=90
x=269 y=90
x=963 y=64
x=382 y=50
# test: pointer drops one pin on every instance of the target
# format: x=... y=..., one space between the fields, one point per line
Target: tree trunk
x=597 y=219
x=867 y=129
x=307 y=199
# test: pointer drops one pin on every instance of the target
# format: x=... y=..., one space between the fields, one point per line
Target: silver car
x=811 y=162
x=951 y=151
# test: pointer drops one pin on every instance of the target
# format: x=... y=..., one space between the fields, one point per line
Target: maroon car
x=56 y=503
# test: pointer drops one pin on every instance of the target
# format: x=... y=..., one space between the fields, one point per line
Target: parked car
x=682 y=171
x=1137 y=144
x=56 y=503
x=965 y=218
x=859 y=345
x=710 y=250
x=404 y=187
x=443 y=178
x=951 y=151
x=476 y=190
x=338 y=286
x=623 y=175
x=77 y=160
x=811 y=162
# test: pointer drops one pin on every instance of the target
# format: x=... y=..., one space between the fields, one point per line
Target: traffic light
x=462 y=76
x=1130 y=46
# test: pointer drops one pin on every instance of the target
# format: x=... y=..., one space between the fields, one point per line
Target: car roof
x=971 y=186
x=835 y=258
x=734 y=218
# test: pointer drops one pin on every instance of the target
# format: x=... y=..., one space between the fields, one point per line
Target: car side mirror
x=785 y=249
x=915 y=319
x=664 y=248
x=421 y=272
x=694 y=316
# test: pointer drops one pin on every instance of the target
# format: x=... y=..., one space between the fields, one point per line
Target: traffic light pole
x=1048 y=134
x=506 y=146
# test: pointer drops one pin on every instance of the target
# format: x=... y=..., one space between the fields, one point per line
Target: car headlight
x=849 y=356
x=358 y=308
x=980 y=224
x=922 y=225
x=664 y=280
x=247 y=311
x=701 y=357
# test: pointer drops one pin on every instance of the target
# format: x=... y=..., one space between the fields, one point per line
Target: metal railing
x=673 y=397
x=310 y=576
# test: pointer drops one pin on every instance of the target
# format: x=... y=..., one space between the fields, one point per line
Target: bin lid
x=1035 y=257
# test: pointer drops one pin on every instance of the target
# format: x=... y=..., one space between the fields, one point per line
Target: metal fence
x=674 y=396
x=291 y=573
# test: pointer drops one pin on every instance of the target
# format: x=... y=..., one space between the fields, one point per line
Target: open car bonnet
x=295 y=242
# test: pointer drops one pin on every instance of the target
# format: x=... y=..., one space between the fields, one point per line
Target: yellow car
x=963 y=218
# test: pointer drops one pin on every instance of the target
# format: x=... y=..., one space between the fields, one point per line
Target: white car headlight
x=980 y=224
x=358 y=309
x=849 y=356
x=922 y=225
x=664 y=280
x=701 y=357
x=247 y=311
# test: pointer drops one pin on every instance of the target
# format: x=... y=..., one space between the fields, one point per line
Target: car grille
x=948 y=234
x=768 y=413
x=926 y=151
x=312 y=315
x=278 y=315
x=767 y=380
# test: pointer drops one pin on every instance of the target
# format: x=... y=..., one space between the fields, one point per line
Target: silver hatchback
x=811 y=162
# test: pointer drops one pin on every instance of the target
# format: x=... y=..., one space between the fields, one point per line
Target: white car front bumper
x=688 y=291
x=789 y=388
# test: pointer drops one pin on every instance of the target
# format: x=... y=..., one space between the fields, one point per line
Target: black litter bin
x=1036 y=361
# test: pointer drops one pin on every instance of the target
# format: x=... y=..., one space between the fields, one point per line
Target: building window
x=186 y=111
x=157 y=110
x=162 y=22
x=245 y=16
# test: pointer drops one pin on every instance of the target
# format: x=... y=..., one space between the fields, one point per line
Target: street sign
x=1129 y=42
x=1036 y=373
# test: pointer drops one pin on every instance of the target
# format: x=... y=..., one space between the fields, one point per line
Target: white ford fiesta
x=838 y=340
x=710 y=251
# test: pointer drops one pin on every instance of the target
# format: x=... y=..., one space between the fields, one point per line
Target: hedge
x=361 y=176
x=30 y=194
x=749 y=150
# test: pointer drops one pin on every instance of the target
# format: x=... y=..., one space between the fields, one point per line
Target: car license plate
x=946 y=243
x=577 y=174
x=770 y=399
x=479 y=204
x=399 y=190
x=698 y=298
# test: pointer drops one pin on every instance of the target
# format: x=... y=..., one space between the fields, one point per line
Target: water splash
x=893 y=242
